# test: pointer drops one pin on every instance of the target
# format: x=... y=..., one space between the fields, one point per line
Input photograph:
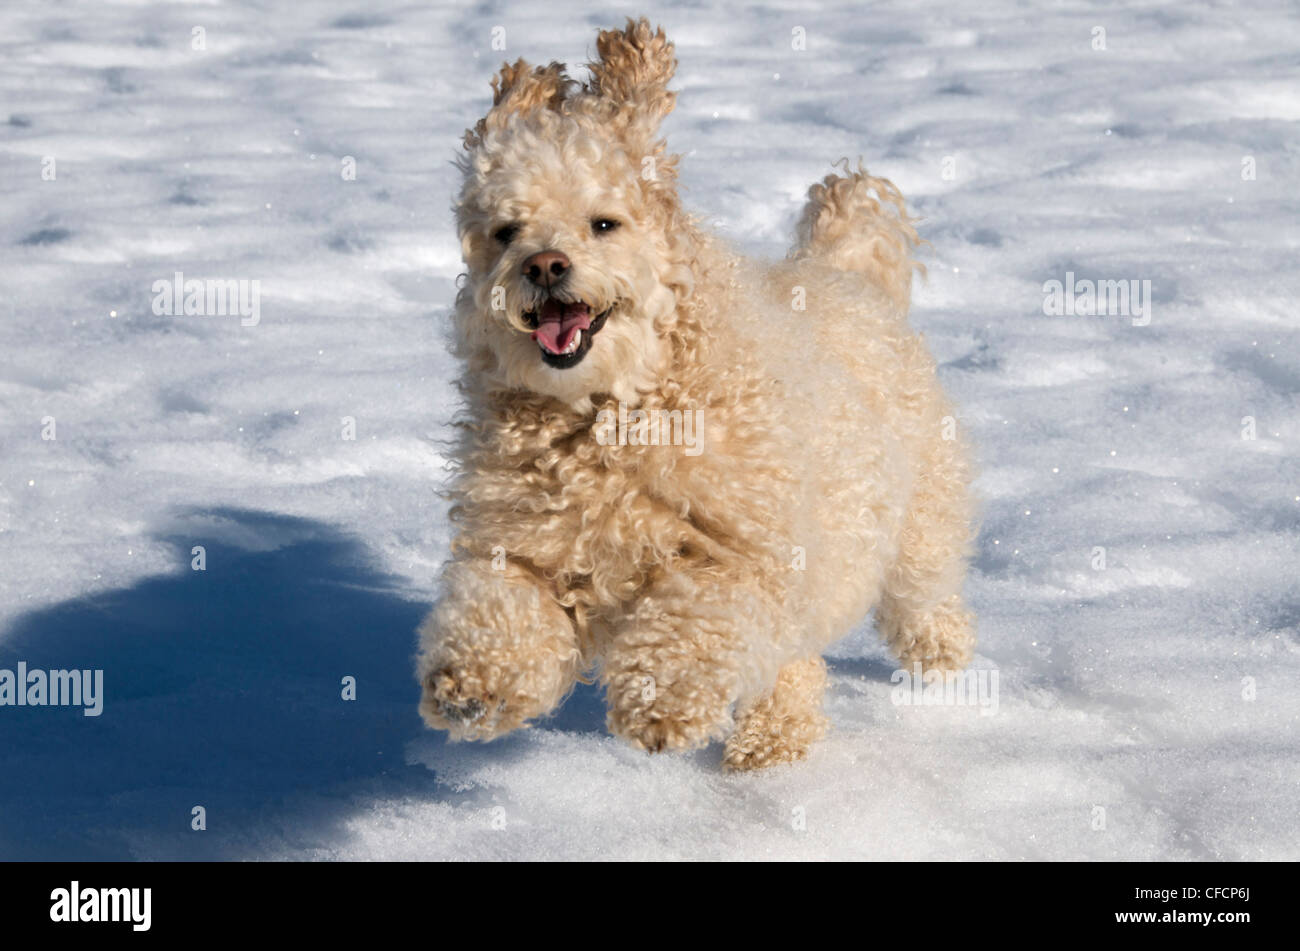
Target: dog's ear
x=633 y=71
x=519 y=88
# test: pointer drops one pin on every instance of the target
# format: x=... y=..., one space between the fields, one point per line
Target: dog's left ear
x=517 y=89
x=633 y=71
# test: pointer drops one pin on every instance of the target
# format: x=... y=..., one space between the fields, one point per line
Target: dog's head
x=575 y=245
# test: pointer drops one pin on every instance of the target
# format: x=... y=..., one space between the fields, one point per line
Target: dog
x=679 y=471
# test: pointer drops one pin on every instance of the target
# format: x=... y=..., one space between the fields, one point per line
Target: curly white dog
x=685 y=470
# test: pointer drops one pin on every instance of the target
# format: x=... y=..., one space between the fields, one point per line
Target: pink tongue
x=557 y=323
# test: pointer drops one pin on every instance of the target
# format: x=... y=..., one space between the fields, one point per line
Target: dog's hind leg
x=921 y=614
x=783 y=724
x=856 y=222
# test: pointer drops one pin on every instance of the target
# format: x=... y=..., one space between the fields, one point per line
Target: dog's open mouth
x=564 y=331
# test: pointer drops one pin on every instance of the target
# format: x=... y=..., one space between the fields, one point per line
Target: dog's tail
x=856 y=222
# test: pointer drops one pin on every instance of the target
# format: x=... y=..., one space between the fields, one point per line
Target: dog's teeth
x=573 y=344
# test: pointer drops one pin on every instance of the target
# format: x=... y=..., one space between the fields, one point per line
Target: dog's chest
x=606 y=528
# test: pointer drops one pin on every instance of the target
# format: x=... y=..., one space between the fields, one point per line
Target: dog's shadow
x=224 y=689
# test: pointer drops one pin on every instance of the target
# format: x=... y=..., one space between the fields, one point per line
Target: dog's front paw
x=446 y=699
x=660 y=717
x=481 y=703
x=942 y=638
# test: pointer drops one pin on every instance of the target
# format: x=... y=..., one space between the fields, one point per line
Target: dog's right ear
x=517 y=89
x=633 y=71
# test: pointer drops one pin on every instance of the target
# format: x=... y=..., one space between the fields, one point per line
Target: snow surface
x=1123 y=688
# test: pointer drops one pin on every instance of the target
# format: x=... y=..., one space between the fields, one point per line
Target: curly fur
x=701 y=588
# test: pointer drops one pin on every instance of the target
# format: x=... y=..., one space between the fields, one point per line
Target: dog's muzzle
x=564 y=331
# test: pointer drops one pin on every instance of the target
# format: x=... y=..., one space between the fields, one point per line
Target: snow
x=1122 y=689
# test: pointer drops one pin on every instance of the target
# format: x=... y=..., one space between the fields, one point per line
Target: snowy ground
x=1030 y=154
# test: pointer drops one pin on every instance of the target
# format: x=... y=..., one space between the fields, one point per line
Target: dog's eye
x=603 y=225
x=506 y=233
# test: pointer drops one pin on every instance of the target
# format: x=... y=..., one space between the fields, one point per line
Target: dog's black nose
x=546 y=268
